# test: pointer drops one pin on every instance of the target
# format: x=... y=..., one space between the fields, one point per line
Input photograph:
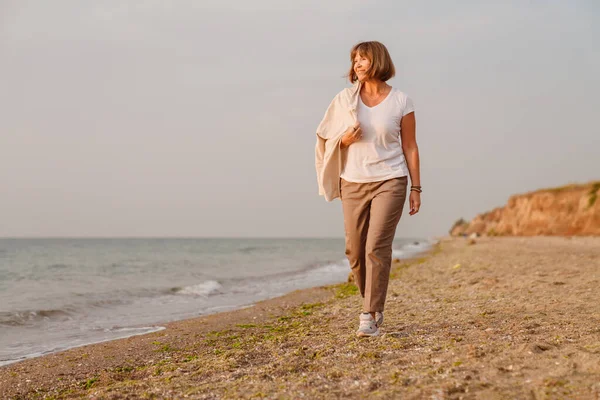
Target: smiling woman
x=366 y=149
x=371 y=60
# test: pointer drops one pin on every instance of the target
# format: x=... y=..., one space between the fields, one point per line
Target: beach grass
x=593 y=194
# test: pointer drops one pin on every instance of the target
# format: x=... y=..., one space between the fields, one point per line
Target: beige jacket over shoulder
x=329 y=156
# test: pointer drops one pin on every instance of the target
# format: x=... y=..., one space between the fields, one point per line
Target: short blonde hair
x=382 y=67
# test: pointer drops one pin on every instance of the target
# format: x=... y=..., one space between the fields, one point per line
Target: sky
x=189 y=118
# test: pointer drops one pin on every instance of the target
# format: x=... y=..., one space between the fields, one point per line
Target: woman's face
x=361 y=66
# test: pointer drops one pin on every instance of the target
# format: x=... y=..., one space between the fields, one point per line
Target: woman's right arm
x=352 y=135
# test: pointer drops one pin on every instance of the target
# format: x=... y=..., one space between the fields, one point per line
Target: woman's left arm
x=411 y=153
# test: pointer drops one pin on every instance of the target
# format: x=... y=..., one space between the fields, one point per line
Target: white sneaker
x=379 y=318
x=367 y=327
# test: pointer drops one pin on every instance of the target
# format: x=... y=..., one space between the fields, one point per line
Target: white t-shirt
x=378 y=155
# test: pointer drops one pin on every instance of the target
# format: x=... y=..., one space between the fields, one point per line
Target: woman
x=366 y=149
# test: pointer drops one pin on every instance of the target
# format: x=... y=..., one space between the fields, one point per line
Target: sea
x=59 y=293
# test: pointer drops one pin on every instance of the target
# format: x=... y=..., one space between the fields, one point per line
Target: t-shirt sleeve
x=408 y=106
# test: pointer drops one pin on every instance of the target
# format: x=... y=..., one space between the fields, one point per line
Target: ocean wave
x=58 y=266
x=204 y=289
x=250 y=249
x=131 y=330
x=412 y=249
x=30 y=317
x=342 y=265
x=110 y=302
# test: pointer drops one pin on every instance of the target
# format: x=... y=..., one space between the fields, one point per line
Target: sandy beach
x=505 y=318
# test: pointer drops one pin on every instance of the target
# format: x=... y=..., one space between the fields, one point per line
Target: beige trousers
x=371 y=213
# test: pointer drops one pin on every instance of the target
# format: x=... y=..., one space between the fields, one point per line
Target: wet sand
x=505 y=318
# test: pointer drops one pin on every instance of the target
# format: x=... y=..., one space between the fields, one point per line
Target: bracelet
x=415 y=189
x=416 y=186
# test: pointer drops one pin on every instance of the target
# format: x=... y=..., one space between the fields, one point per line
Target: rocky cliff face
x=568 y=210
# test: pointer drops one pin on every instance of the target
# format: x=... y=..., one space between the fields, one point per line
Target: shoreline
x=162 y=325
x=34 y=356
x=109 y=353
x=274 y=306
x=80 y=328
x=508 y=317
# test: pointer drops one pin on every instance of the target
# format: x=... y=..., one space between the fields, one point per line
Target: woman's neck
x=373 y=87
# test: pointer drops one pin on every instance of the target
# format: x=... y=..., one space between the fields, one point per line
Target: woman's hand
x=352 y=135
x=415 y=202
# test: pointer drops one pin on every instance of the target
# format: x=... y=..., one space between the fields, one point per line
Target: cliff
x=564 y=211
